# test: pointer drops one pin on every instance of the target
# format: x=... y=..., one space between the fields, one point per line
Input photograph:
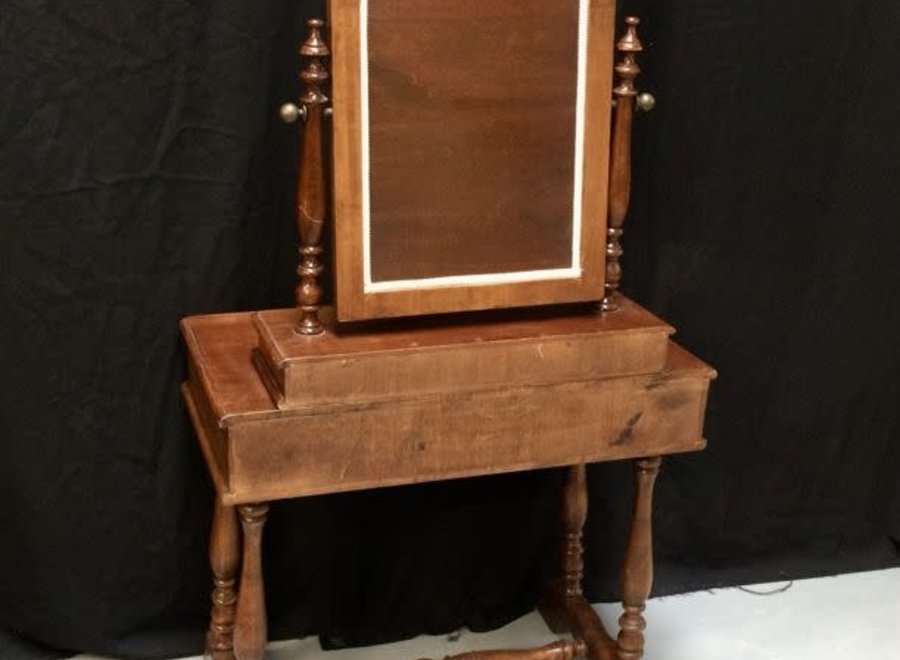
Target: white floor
x=848 y=617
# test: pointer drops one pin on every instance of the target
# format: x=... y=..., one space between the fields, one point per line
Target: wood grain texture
x=250 y=632
x=272 y=453
x=637 y=569
x=219 y=346
x=464 y=434
x=257 y=452
x=493 y=184
x=355 y=304
x=421 y=358
x=224 y=553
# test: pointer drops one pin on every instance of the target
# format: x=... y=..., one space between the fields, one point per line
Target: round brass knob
x=290 y=113
x=645 y=101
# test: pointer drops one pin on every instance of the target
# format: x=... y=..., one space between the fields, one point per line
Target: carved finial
x=315 y=45
x=311 y=179
x=629 y=41
x=620 y=160
x=627 y=68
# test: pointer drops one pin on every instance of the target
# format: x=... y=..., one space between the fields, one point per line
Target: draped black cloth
x=144 y=177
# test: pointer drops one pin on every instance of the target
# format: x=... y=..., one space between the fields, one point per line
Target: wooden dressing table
x=316 y=400
x=258 y=453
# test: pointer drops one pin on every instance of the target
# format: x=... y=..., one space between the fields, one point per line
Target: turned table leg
x=250 y=626
x=637 y=571
x=223 y=558
x=574 y=514
x=564 y=607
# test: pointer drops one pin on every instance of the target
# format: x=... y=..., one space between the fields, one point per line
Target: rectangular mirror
x=470 y=153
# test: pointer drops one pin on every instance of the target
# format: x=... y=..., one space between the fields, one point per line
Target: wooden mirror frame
x=358 y=298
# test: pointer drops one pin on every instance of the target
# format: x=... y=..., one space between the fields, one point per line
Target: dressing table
x=476 y=187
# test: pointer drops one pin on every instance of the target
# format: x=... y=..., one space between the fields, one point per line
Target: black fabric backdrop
x=143 y=177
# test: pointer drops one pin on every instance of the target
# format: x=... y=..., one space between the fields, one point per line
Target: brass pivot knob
x=645 y=101
x=290 y=113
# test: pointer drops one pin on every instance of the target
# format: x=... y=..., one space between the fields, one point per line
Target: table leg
x=637 y=570
x=223 y=558
x=250 y=627
x=564 y=607
x=574 y=515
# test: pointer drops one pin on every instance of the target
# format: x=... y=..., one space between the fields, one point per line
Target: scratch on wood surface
x=626 y=434
x=350 y=458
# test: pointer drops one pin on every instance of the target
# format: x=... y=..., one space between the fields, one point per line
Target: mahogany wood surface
x=425 y=357
x=492 y=187
x=250 y=632
x=218 y=343
x=311 y=187
x=263 y=453
x=574 y=514
x=258 y=453
x=353 y=303
x=288 y=404
x=620 y=167
x=564 y=606
x=224 y=554
x=637 y=570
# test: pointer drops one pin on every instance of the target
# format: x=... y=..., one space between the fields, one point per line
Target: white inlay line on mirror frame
x=571 y=272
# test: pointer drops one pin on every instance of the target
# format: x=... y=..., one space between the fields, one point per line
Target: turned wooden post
x=223 y=558
x=311 y=188
x=637 y=570
x=574 y=514
x=562 y=650
x=250 y=627
x=564 y=607
x=620 y=158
